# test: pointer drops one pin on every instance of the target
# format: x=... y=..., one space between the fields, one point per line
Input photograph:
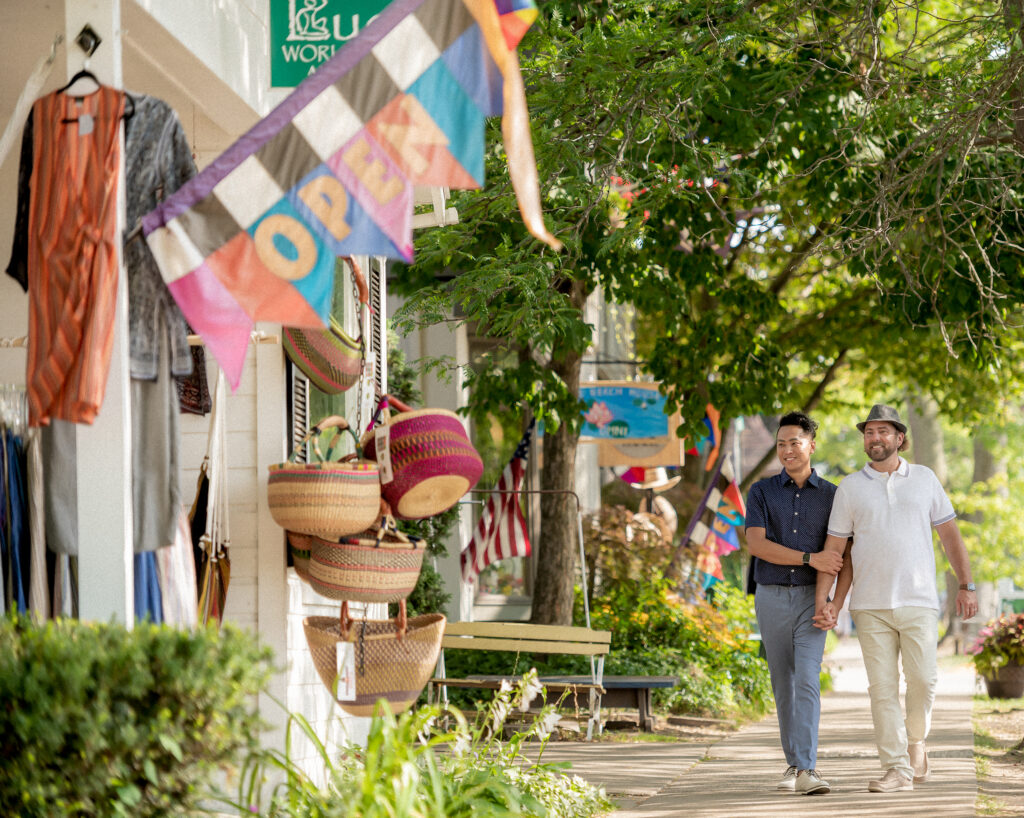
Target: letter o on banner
x=270 y=232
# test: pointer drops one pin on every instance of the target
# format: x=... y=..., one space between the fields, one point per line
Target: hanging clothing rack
x=257 y=337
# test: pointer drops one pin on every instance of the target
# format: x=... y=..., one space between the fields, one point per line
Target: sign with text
x=305 y=34
x=624 y=410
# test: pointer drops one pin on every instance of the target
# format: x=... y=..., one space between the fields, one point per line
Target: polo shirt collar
x=903 y=469
x=785 y=480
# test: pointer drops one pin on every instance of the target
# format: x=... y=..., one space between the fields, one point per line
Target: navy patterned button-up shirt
x=793 y=516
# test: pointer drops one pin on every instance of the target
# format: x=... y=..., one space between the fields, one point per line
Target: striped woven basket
x=394 y=658
x=381 y=565
x=326 y=498
x=433 y=462
x=299 y=547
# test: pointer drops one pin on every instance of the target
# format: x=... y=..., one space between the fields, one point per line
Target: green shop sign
x=306 y=33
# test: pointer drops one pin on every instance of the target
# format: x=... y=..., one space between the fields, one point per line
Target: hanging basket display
x=330 y=358
x=327 y=498
x=379 y=565
x=299 y=547
x=432 y=460
x=394 y=658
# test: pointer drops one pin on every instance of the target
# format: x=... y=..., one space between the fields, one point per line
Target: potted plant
x=998 y=656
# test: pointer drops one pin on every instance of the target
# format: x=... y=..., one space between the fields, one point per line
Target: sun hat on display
x=656 y=479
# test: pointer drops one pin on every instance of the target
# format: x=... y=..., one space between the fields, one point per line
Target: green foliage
x=414 y=765
x=657 y=633
x=999 y=643
x=102 y=721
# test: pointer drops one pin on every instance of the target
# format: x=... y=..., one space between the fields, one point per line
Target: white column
x=105 y=575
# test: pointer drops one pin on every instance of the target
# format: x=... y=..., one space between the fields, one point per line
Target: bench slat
x=523 y=645
x=520 y=630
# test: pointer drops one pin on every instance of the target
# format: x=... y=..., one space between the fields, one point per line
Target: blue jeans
x=794 y=648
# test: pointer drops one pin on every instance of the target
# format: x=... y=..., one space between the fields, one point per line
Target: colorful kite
x=331 y=170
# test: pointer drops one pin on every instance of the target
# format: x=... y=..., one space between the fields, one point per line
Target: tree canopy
x=786 y=191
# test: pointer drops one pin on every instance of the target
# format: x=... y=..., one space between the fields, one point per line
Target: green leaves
x=104 y=720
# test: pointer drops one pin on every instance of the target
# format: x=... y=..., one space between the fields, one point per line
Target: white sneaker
x=919 y=761
x=892 y=781
x=788 y=781
x=809 y=782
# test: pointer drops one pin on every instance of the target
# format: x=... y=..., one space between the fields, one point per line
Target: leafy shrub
x=655 y=632
x=413 y=766
x=98 y=720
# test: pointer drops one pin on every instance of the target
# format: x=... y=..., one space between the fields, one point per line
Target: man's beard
x=881 y=451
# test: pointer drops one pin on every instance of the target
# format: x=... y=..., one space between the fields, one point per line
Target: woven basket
x=299 y=548
x=394 y=659
x=380 y=565
x=432 y=460
x=327 y=498
x=329 y=357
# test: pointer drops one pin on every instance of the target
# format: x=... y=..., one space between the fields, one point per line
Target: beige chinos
x=912 y=633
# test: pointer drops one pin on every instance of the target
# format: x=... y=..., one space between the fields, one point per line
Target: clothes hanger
x=85 y=73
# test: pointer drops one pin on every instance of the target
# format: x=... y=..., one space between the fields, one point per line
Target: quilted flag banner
x=713 y=437
x=713 y=529
x=331 y=170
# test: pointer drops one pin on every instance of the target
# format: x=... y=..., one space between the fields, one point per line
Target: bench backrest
x=520 y=637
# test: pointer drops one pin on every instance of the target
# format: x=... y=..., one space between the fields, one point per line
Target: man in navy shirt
x=786 y=525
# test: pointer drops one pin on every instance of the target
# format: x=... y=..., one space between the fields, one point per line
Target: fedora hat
x=881 y=412
x=656 y=479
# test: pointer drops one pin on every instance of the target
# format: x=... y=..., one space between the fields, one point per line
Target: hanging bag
x=381 y=564
x=433 y=462
x=327 y=498
x=329 y=357
x=394 y=658
x=214 y=571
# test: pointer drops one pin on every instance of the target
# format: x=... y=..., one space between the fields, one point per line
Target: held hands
x=966 y=604
x=826 y=616
x=827 y=562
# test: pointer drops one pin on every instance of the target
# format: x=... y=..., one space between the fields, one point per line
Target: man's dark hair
x=799 y=419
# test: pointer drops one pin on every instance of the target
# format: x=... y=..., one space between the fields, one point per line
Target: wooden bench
x=632 y=692
x=520 y=637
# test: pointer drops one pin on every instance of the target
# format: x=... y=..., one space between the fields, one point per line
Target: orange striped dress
x=72 y=254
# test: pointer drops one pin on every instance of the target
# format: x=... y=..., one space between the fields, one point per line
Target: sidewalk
x=735 y=777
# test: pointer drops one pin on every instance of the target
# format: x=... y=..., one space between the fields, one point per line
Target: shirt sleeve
x=942 y=509
x=757 y=514
x=840 y=521
x=17 y=268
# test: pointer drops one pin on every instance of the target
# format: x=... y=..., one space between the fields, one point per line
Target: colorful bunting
x=713 y=438
x=331 y=170
x=712 y=531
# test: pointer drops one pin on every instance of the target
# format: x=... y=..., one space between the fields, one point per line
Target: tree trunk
x=558 y=549
x=926 y=438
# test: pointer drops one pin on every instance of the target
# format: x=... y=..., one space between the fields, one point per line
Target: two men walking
x=887 y=511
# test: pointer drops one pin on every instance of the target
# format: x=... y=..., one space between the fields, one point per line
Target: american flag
x=501 y=531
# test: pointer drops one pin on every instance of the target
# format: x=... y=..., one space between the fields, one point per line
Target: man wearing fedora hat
x=786 y=524
x=889 y=508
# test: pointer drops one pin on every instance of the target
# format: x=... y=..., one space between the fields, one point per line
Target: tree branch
x=799 y=258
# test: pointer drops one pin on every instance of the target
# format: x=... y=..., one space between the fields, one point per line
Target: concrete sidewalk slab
x=735 y=777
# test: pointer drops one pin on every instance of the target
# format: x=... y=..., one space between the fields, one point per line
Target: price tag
x=345 y=683
x=382 y=443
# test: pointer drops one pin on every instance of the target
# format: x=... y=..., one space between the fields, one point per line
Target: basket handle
x=345 y=620
x=391 y=400
x=359 y=279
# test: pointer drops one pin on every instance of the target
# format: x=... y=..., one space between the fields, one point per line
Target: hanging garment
x=14 y=535
x=177 y=571
x=60 y=464
x=156 y=445
x=38 y=596
x=71 y=264
x=148 y=603
x=214 y=566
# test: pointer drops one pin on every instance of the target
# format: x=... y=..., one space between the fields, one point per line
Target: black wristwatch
x=807 y=558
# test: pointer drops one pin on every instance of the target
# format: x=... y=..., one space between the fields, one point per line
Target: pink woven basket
x=433 y=462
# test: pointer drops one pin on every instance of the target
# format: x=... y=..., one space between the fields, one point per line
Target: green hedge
x=101 y=721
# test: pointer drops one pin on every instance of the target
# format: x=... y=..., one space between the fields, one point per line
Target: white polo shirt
x=890 y=517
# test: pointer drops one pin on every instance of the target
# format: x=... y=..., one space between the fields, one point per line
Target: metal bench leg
x=643 y=703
